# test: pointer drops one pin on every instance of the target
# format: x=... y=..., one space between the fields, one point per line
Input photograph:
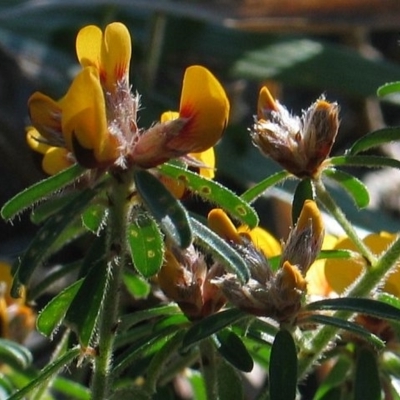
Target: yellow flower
x=300 y=145
x=341 y=274
x=17 y=320
x=95 y=123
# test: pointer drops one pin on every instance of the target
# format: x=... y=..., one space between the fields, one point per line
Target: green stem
x=209 y=367
x=108 y=318
x=329 y=203
x=371 y=279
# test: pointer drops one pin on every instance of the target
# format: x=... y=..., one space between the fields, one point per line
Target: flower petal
x=220 y=223
x=56 y=160
x=109 y=53
x=262 y=240
x=205 y=104
x=84 y=118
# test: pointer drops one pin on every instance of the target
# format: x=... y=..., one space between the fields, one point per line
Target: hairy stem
x=108 y=318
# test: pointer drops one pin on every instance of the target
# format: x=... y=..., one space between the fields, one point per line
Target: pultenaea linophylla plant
x=222 y=293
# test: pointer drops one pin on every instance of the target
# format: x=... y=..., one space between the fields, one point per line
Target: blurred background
x=345 y=49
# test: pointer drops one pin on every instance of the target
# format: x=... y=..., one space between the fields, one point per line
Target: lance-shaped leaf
x=365 y=161
x=388 y=88
x=214 y=192
x=375 y=139
x=258 y=189
x=371 y=307
x=231 y=347
x=212 y=324
x=304 y=191
x=14 y=354
x=347 y=326
x=84 y=309
x=164 y=207
x=367 y=384
x=40 y=190
x=229 y=382
x=136 y=285
x=41 y=246
x=353 y=186
x=283 y=367
x=338 y=253
x=210 y=241
x=94 y=217
x=54 y=312
x=146 y=244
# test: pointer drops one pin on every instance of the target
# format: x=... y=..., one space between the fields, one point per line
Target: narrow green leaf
x=339 y=253
x=214 y=192
x=164 y=207
x=389 y=299
x=231 y=347
x=359 y=305
x=212 y=324
x=84 y=309
x=137 y=286
x=374 y=139
x=231 y=259
x=146 y=245
x=42 y=243
x=47 y=372
x=71 y=390
x=304 y=191
x=388 y=88
x=337 y=375
x=367 y=383
x=347 y=326
x=14 y=354
x=196 y=381
x=40 y=190
x=49 y=207
x=365 y=161
x=353 y=186
x=94 y=217
x=258 y=189
x=54 y=312
x=283 y=367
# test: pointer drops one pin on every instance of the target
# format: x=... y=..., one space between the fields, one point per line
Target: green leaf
x=54 y=312
x=196 y=381
x=367 y=383
x=337 y=253
x=231 y=347
x=42 y=243
x=146 y=244
x=39 y=191
x=94 y=217
x=138 y=287
x=353 y=186
x=304 y=191
x=84 y=309
x=164 y=207
x=347 y=326
x=374 y=139
x=14 y=354
x=212 y=324
x=214 y=192
x=389 y=88
x=258 y=189
x=213 y=244
x=389 y=299
x=283 y=367
x=71 y=389
x=371 y=307
x=365 y=161
x=47 y=372
x=336 y=376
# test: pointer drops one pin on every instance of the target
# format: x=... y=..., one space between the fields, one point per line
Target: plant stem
x=371 y=279
x=108 y=318
x=209 y=367
x=329 y=203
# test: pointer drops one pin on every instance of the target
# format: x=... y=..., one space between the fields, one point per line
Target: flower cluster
x=95 y=123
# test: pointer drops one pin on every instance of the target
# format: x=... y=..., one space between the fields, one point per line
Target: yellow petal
x=45 y=114
x=171 y=276
x=36 y=141
x=56 y=160
x=169 y=116
x=265 y=102
x=310 y=212
x=220 y=223
x=205 y=105
x=109 y=53
x=263 y=241
x=84 y=118
x=207 y=158
x=6 y=279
